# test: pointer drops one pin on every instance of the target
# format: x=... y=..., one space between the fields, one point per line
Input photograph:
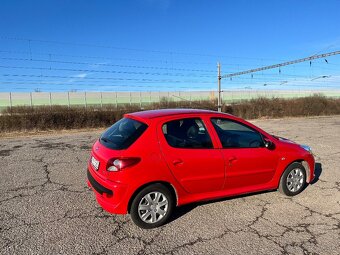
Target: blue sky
x=165 y=44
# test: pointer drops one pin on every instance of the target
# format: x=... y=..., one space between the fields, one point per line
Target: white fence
x=143 y=98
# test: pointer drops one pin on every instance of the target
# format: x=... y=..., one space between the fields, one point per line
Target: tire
x=293 y=180
x=152 y=206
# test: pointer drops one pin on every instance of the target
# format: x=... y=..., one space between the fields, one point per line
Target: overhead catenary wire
x=108 y=82
x=163 y=61
x=169 y=52
x=100 y=71
x=124 y=86
x=281 y=64
x=164 y=82
x=53 y=54
x=126 y=73
x=105 y=64
x=102 y=78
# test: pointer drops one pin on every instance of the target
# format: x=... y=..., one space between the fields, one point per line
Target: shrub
x=61 y=117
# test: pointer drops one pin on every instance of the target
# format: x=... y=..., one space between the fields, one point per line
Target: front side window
x=187 y=133
x=235 y=135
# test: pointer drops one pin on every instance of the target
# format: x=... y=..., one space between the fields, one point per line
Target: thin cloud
x=80 y=75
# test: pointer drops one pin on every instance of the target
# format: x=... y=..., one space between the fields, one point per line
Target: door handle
x=231 y=159
x=177 y=162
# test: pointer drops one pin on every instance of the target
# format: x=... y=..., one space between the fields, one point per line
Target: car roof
x=148 y=116
x=152 y=114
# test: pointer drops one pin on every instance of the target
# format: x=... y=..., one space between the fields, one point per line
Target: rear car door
x=249 y=164
x=189 y=153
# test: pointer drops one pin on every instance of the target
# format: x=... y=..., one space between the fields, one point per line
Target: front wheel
x=152 y=206
x=293 y=180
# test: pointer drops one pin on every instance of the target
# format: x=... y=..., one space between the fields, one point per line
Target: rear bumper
x=111 y=196
x=97 y=186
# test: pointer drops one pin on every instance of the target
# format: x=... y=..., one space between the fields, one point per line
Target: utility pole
x=219 y=103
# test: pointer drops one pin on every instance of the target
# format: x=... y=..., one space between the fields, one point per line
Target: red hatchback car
x=149 y=162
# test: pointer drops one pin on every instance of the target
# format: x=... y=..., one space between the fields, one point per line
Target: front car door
x=249 y=164
x=189 y=153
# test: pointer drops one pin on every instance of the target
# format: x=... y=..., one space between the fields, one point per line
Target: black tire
x=286 y=187
x=140 y=199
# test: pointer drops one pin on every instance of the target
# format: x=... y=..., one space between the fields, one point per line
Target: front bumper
x=309 y=165
x=111 y=196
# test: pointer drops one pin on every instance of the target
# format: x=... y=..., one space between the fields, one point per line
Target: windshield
x=122 y=134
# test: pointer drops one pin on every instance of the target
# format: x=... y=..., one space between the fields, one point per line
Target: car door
x=248 y=162
x=189 y=153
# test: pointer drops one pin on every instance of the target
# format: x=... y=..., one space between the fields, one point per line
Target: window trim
x=242 y=124
x=184 y=148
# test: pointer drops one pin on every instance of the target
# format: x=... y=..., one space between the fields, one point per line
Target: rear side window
x=122 y=134
x=236 y=135
x=187 y=133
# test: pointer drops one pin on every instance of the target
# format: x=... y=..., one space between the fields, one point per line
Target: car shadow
x=184 y=209
x=317 y=172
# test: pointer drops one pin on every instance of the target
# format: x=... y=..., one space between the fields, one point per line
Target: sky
x=142 y=45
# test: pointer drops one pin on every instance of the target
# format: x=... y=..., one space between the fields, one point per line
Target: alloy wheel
x=153 y=207
x=295 y=180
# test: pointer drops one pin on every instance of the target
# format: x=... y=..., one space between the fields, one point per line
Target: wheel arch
x=304 y=163
x=166 y=184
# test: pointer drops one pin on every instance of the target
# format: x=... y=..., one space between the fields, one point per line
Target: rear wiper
x=104 y=139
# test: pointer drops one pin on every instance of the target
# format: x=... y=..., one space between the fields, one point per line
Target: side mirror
x=269 y=145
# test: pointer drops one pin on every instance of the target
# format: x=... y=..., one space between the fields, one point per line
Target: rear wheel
x=293 y=180
x=152 y=206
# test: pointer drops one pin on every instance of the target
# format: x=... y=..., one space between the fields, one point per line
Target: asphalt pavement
x=47 y=208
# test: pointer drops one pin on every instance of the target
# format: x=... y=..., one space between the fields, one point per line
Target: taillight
x=118 y=164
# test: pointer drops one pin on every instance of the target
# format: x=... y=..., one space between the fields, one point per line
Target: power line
x=107 y=58
x=93 y=85
x=29 y=40
x=273 y=77
x=290 y=84
x=52 y=54
x=79 y=44
x=105 y=64
x=100 y=71
x=100 y=79
x=282 y=64
x=76 y=82
x=93 y=78
x=284 y=81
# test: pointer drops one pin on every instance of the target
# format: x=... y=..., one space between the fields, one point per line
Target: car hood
x=285 y=140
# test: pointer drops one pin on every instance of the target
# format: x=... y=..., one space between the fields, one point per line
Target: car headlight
x=306 y=147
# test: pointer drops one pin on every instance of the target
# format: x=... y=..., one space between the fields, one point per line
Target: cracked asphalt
x=47 y=208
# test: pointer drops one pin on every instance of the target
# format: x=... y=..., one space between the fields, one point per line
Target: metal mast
x=219 y=101
x=282 y=64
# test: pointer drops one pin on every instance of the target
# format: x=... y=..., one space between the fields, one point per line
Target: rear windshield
x=122 y=134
